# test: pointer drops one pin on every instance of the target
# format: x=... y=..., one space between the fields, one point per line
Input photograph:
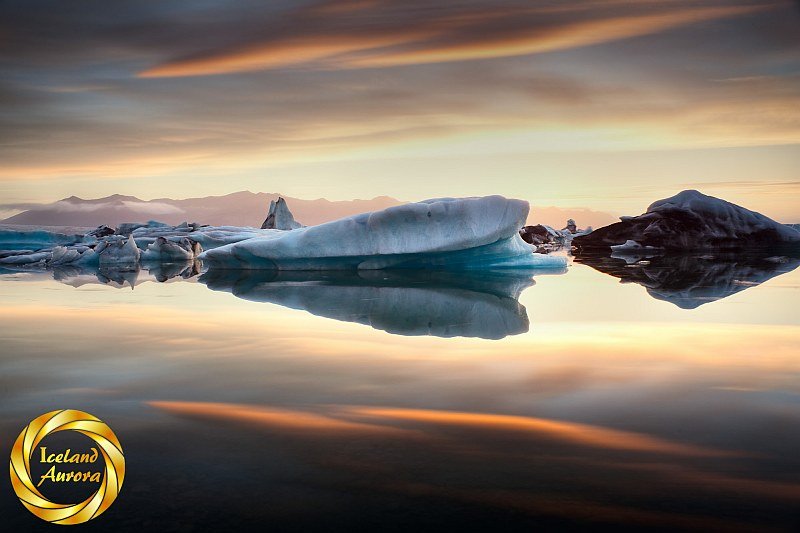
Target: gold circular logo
x=110 y=481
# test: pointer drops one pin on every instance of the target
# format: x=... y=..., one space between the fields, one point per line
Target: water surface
x=395 y=402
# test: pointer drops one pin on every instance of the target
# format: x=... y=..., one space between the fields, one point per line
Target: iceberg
x=123 y=255
x=279 y=216
x=689 y=221
x=167 y=251
x=214 y=236
x=25 y=257
x=444 y=233
x=45 y=247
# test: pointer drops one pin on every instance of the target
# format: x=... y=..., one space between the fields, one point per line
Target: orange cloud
x=560 y=38
x=353 y=51
x=284 y=53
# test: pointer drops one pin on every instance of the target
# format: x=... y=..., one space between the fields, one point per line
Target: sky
x=602 y=104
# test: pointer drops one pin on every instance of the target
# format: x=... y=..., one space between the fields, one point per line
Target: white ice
x=446 y=233
x=279 y=217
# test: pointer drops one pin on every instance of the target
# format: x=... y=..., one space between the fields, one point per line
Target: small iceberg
x=444 y=233
x=123 y=255
x=165 y=251
x=279 y=216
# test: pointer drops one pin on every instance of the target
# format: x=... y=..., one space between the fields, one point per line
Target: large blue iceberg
x=444 y=233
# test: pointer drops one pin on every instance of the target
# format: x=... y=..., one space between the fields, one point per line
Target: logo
x=102 y=465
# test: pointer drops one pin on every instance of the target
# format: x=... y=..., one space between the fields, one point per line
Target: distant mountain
x=242 y=208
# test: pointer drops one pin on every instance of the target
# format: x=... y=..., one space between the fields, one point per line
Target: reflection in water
x=78 y=275
x=403 y=302
x=690 y=281
x=617 y=412
x=360 y=419
x=572 y=474
x=442 y=304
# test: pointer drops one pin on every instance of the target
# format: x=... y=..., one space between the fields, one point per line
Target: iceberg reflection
x=402 y=302
x=690 y=281
x=442 y=304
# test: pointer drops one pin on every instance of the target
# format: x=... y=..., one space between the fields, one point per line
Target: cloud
x=150 y=208
x=308 y=92
x=290 y=52
x=568 y=36
x=455 y=35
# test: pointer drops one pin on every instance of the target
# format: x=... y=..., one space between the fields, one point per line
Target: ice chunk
x=120 y=254
x=445 y=233
x=167 y=251
x=63 y=255
x=279 y=216
x=128 y=227
x=100 y=232
x=88 y=257
x=632 y=246
x=26 y=257
x=215 y=236
x=55 y=246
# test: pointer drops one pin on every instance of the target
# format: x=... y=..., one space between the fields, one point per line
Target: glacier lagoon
x=327 y=401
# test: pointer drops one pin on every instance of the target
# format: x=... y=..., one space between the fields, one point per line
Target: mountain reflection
x=441 y=304
x=691 y=281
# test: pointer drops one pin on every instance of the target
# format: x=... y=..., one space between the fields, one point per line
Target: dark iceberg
x=692 y=221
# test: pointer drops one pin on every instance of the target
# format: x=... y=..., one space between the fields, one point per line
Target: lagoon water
x=398 y=403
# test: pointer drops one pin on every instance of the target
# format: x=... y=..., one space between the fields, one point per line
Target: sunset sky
x=605 y=104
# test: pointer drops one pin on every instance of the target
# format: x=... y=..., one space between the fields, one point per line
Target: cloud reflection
x=360 y=419
x=566 y=454
x=269 y=417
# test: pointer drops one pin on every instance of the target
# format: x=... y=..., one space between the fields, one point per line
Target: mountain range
x=242 y=208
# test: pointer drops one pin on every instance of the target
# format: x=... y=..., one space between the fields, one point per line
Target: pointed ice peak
x=279 y=216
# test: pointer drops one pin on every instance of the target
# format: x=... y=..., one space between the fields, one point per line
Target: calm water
x=398 y=402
